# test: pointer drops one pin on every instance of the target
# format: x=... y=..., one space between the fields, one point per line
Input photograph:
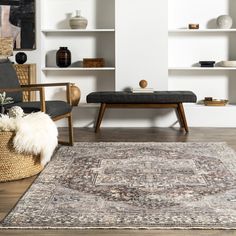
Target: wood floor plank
x=11 y=192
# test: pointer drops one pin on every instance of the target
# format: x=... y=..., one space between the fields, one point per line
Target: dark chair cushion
x=8 y=79
x=162 y=97
x=53 y=108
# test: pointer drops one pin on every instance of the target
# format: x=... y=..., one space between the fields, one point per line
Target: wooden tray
x=215 y=102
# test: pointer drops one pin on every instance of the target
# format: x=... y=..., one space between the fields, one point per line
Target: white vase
x=78 y=22
x=224 y=22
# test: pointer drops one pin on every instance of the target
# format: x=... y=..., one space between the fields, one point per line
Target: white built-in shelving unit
x=188 y=47
x=96 y=41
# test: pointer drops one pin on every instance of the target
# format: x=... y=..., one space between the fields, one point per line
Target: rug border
x=2 y=228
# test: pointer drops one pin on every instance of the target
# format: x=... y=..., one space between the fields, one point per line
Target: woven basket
x=14 y=166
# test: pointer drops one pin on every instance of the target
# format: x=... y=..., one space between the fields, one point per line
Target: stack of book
x=142 y=90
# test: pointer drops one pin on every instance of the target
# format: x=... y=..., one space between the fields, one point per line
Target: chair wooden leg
x=100 y=116
x=183 y=117
x=71 y=131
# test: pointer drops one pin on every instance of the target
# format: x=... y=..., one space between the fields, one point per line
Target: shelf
x=46 y=31
x=201 y=30
x=197 y=105
x=78 y=69
x=202 y=68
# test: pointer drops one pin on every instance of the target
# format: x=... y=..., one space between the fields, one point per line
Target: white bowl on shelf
x=228 y=63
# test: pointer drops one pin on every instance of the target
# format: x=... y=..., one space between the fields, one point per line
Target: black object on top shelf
x=207 y=63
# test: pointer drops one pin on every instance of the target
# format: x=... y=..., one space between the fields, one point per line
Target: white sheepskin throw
x=36 y=133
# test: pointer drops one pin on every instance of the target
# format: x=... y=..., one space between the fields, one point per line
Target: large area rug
x=133 y=185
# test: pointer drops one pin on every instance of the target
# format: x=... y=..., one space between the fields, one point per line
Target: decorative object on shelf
x=228 y=63
x=207 y=63
x=142 y=90
x=78 y=22
x=21 y=57
x=63 y=57
x=215 y=102
x=224 y=22
x=143 y=83
x=4 y=100
x=208 y=98
x=26 y=75
x=193 y=26
x=75 y=95
x=6 y=47
x=93 y=62
x=18 y=22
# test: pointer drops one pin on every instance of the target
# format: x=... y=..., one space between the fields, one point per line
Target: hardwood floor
x=11 y=192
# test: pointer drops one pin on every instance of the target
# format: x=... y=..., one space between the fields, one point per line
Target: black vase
x=63 y=57
x=21 y=57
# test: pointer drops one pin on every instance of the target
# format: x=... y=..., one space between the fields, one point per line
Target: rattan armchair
x=56 y=109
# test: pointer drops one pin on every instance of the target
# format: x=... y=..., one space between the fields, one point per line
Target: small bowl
x=228 y=63
x=207 y=63
x=193 y=26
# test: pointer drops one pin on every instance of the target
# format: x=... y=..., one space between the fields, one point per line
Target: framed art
x=17 y=20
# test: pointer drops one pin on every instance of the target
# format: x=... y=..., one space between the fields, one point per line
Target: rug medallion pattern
x=133 y=185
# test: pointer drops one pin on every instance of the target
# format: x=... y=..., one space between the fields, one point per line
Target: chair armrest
x=67 y=85
x=46 y=85
x=40 y=89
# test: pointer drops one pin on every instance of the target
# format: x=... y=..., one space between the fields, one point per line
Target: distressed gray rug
x=133 y=185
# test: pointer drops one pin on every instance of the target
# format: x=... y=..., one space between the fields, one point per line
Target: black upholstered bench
x=158 y=99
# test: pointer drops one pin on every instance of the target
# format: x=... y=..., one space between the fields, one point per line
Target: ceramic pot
x=78 y=22
x=63 y=57
x=21 y=57
x=75 y=95
x=224 y=22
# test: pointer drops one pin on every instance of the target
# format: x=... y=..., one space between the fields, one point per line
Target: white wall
x=141 y=43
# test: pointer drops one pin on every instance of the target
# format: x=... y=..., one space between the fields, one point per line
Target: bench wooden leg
x=182 y=117
x=100 y=116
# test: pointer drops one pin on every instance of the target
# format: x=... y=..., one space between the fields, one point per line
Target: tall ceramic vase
x=75 y=95
x=78 y=22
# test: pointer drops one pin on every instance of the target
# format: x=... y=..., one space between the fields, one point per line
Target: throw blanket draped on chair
x=36 y=134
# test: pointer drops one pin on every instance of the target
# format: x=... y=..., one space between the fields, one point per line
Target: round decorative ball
x=224 y=22
x=143 y=83
x=21 y=57
x=15 y=112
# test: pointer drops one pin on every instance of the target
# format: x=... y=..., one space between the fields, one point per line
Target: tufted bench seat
x=158 y=99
